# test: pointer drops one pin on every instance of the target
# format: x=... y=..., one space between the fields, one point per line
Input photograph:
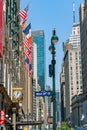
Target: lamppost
x=54 y=39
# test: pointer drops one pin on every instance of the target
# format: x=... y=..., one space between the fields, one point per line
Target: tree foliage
x=64 y=126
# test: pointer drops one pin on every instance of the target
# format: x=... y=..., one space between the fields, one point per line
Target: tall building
x=49 y=106
x=83 y=32
x=39 y=39
x=58 y=116
x=48 y=102
x=74 y=38
x=38 y=102
x=73 y=69
x=9 y=58
x=14 y=76
x=62 y=94
x=35 y=101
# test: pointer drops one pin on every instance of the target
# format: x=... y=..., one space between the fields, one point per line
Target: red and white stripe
x=28 y=46
x=29 y=56
x=23 y=14
x=27 y=68
x=30 y=72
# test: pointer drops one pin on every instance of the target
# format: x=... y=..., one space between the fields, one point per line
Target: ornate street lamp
x=54 y=40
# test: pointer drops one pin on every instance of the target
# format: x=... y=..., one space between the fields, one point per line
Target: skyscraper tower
x=73 y=70
x=35 y=107
x=75 y=36
x=83 y=31
x=39 y=39
x=62 y=95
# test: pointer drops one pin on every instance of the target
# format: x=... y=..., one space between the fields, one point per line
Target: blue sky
x=46 y=15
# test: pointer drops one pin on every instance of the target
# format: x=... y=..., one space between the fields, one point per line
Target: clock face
x=17 y=94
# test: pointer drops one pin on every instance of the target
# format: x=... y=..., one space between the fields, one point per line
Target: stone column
x=4 y=128
x=14 y=118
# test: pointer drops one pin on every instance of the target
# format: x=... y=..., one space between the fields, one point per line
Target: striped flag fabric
x=30 y=69
x=27 y=67
x=29 y=56
x=28 y=46
x=24 y=13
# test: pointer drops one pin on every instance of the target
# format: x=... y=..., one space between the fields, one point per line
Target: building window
x=81 y=87
x=70 y=53
x=71 y=83
x=73 y=32
x=71 y=88
x=77 y=82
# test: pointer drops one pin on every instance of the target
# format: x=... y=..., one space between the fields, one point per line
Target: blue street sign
x=43 y=93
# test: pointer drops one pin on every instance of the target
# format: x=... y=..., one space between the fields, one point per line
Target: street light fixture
x=54 y=40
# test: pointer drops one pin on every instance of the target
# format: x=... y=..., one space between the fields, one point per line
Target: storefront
x=7 y=110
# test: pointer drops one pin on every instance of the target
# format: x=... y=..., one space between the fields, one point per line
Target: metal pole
x=14 y=118
x=54 y=40
x=14 y=121
x=54 y=92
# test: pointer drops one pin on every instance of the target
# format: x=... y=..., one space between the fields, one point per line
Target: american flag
x=29 y=56
x=28 y=46
x=27 y=60
x=29 y=68
x=24 y=13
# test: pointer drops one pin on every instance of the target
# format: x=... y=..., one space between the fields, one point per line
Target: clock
x=17 y=94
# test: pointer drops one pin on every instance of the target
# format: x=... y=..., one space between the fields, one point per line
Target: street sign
x=43 y=93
